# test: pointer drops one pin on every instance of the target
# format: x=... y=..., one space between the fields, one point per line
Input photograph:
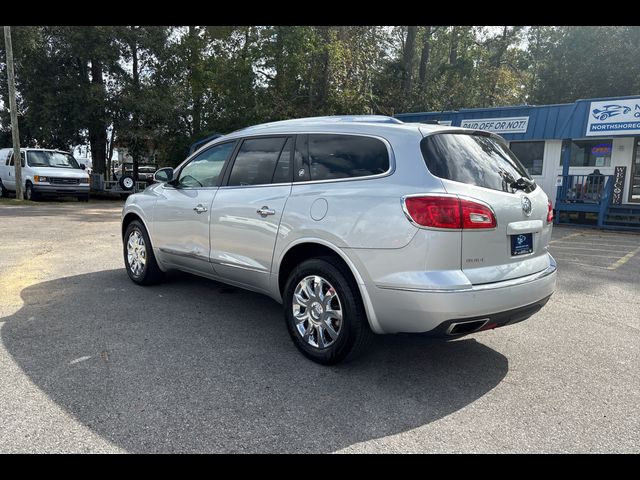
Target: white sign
x=614 y=117
x=498 y=125
x=558 y=181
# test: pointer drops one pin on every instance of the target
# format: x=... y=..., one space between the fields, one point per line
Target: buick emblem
x=526 y=206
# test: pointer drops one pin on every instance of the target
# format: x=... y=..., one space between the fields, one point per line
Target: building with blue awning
x=585 y=155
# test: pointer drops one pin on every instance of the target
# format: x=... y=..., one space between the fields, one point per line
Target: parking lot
x=90 y=362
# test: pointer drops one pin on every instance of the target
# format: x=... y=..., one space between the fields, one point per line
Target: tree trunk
x=424 y=57
x=196 y=91
x=453 y=50
x=407 y=63
x=323 y=81
x=279 y=63
x=503 y=44
x=136 y=118
x=97 y=127
x=109 y=174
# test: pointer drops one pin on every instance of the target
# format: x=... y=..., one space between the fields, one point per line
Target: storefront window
x=590 y=153
x=530 y=155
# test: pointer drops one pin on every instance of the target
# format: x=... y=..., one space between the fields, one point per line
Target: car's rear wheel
x=324 y=311
x=3 y=191
x=139 y=259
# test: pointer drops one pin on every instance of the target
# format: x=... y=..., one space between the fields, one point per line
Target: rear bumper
x=61 y=189
x=420 y=311
x=486 y=322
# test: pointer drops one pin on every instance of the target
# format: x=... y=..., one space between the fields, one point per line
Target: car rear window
x=473 y=159
x=331 y=156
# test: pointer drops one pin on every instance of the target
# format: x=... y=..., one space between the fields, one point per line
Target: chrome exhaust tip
x=459 y=328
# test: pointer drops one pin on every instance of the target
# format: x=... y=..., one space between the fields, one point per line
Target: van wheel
x=29 y=194
x=139 y=259
x=324 y=312
x=3 y=191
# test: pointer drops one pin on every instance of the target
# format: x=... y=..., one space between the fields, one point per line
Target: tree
x=158 y=89
x=63 y=88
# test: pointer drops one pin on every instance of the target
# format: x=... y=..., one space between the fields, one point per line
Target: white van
x=45 y=172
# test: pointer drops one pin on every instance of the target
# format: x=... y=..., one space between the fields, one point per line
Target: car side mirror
x=83 y=166
x=164 y=175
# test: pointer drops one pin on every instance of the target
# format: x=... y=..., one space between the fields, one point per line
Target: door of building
x=634 y=183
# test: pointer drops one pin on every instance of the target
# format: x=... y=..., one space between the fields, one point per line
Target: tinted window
x=530 y=155
x=346 y=156
x=205 y=168
x=473 y=159
x=283 y=168
x=256 y=161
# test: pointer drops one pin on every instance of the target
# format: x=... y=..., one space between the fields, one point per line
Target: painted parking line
x=624 y=259
x=599 y=267
x=580 y=255
x=618 y=250
x=571 y=235
x=609 y=244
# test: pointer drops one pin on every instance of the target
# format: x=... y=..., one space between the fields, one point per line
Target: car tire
x=29 y=194
x=353 y=331
x=3 y=191
x=83 y=198
x=127 y=182
x=147 y=273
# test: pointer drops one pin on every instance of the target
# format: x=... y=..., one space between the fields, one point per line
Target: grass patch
x=13 y=201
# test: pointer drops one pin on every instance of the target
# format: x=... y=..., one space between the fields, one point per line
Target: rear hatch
x=480 y=166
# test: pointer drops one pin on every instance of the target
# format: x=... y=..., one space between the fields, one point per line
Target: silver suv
x=357 y=225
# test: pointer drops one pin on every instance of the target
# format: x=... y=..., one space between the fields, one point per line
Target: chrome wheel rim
x=317 y=311
x=136 y=253
x=128 y=183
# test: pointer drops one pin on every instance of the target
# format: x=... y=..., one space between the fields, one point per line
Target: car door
x=181 y=216
x=10 y=182
x=247 y=210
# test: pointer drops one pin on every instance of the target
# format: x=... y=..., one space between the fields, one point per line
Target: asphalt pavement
x=90 y=362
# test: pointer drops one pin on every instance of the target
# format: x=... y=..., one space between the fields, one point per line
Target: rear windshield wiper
x=523 y=184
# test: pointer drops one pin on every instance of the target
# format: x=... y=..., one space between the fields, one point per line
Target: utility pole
x=17 y=162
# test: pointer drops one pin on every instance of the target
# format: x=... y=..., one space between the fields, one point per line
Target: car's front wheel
x=324 y=311
x=139 y=259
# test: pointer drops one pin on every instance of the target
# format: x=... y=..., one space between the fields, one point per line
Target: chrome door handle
x=264 y=211
x=200 y=209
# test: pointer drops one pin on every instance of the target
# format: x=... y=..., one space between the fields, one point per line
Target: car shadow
x=193 y=365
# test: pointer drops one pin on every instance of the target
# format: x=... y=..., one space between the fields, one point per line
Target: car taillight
x=476 y=215
x=436 y=212
x=550 y=212
x=449 y=212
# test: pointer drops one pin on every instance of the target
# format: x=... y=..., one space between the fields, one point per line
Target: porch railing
x=583 y=188
x=584 y=193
